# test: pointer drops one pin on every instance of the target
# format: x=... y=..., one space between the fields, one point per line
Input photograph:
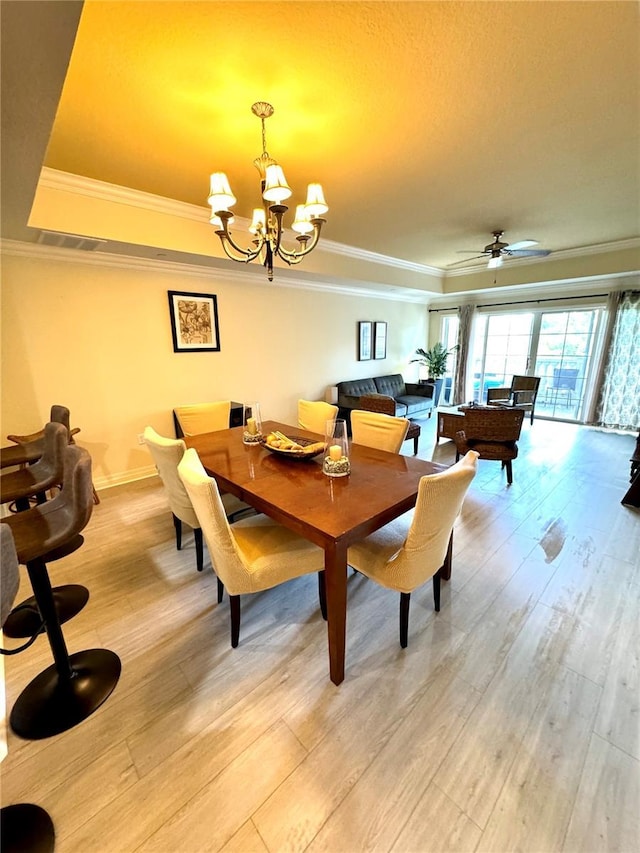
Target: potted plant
x=435 y=360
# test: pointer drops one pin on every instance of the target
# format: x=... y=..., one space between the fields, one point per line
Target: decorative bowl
x=310 y=448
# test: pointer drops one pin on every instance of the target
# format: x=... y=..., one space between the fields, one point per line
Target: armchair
x=493 y=433
x=521 y=395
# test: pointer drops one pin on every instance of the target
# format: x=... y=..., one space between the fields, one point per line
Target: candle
x=251 y=426
x=335 y=453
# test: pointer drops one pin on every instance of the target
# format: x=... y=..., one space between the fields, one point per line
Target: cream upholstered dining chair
x=203 y=417
x=313 y=415
x=252 y=555
x=408 y=551
x=374 y=429
x=167 y=453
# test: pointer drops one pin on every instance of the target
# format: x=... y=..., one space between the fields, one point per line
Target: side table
x=449 y=422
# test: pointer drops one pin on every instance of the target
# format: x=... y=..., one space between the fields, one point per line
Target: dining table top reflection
x=332 y=512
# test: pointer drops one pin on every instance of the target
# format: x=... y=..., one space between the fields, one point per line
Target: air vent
x=69 y=241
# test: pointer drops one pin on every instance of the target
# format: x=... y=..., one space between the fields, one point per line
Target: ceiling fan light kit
x=267 y=221
x=498 y=251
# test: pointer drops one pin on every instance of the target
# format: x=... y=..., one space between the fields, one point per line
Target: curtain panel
x=619 y=404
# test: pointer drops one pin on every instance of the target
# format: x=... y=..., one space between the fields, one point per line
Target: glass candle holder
x=252 y=424
x=336 y=455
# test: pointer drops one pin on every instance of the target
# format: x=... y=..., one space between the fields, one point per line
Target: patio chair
x=521 y=395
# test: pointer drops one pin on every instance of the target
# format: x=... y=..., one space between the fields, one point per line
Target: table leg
x=335 y=573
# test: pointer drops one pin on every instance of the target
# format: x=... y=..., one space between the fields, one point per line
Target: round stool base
x=26 y=828
x=24 y=620
x=50 y=705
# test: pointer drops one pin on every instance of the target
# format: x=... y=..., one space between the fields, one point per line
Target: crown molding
x=239 y=275
x=67 y=182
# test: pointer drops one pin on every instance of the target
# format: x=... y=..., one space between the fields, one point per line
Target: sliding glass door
x=557 y=346
x=565 y=346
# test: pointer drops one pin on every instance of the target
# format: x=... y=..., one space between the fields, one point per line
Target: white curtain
x=619 y=403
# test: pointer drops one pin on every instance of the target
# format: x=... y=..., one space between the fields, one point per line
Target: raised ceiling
x=429 y=123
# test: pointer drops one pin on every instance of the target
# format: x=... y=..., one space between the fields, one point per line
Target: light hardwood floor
x=510 y=723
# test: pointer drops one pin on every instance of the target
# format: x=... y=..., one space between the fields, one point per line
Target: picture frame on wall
x=365 y=340
x=380 y=340
x=194 y=322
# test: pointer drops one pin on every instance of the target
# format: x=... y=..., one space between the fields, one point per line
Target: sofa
x=412 y=400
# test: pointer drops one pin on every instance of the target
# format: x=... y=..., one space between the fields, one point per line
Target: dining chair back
x=314 y=415
x=166 y=454
x=387 y=405
x=255 y=553
x=493 y=433
x=202 y=417
x=413 y=548
x=374 y=429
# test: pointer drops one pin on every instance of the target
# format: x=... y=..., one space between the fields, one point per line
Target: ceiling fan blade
x=522 y=244
x=466 y=251
x=465 y=261
x=527 y=253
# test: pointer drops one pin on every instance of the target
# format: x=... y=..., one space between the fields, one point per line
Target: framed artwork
x=365 y=340
x=380 y=340
x=194 y=322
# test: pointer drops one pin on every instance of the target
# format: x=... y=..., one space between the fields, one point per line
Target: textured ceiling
x=428 y=123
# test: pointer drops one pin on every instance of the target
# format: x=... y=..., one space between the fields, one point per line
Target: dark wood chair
x=387 y=406
x=521 y=395
x=493 y=433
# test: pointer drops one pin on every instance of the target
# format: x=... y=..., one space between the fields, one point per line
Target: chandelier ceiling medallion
x=266 y=224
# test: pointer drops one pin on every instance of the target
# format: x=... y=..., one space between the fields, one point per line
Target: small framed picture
x=380 y=340
x=194 y=322
x=365 y=340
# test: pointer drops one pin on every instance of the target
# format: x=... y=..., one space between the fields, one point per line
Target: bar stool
x=73 y=687
x=33 y=444
x=24 y=827
x=19 y=487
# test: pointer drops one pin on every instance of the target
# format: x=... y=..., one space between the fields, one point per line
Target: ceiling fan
x=498 y=250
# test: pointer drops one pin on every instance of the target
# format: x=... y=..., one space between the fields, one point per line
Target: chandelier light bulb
x=276 y=188
x=301 y=224
x=316 y=205
x=220 y=195
x=259 y=222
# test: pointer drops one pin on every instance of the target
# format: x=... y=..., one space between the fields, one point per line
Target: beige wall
x=97 y=338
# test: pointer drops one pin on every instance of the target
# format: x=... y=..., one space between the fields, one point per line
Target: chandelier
x=266 y=223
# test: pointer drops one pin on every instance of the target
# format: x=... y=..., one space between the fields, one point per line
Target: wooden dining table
x=331 y=512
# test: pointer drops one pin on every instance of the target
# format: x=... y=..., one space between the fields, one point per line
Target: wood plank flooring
x=510 y=723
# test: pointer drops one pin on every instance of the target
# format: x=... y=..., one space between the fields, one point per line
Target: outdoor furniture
x=521 y=395
x=563 y=384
